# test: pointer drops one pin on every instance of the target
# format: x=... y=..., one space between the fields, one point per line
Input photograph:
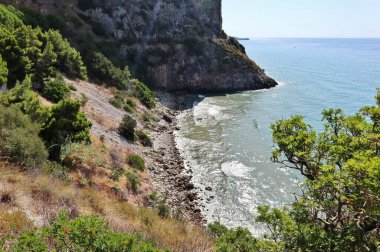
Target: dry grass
x=43 y=197
x=166 y=233
x=12 y=223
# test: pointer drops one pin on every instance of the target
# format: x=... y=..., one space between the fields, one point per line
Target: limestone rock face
x=170 y=44
x=179 y=45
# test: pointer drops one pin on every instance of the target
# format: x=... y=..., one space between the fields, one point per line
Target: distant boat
x=241 y=38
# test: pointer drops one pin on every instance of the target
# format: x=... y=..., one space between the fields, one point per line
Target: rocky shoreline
x=169 y=174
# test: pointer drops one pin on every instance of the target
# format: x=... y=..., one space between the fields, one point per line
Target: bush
x=83 y=99
x=69 y=60
x=127 y=127
x=55 y=90
x=132 y=102
x=22 y=97
x=144 y=94
x=116 y=103
x=104 y=70
x=3 y=72
x=72 y=88
x=45 y=22
x=133 y=181
x=29 y=50
x=144 y=139
x=10 y=17
x=56 y=169
x=234 y=240
x=66 y=124
x=19 y=140
x=89 y=233
x=129 y=109
x=136 y=162
x=163 y=210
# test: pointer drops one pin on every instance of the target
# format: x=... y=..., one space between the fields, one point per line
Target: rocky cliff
x=170 y=44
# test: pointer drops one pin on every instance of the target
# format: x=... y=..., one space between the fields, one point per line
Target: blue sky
x=302 y=18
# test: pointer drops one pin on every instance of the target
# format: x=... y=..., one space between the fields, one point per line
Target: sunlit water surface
x=226 y=140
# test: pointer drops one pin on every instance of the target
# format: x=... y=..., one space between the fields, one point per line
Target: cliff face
x=181 y=45
x=170 y=44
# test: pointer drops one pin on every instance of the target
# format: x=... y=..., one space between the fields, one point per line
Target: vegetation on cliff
x=63 y=193
x=49 y=165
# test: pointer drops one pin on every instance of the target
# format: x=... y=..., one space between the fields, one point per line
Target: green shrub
x=129 y=109
x=56 y=169
x=22 y=97
x=45 y=22
x=163 y=210
x=83 y=99
x=88 y=233
x=19 y=47
x=133 y=181
x=55 y=90
x=153 y=196
x=144 y=139
x=77 y=21
x=10 y=17
x=69 y=60
x=127 y=127
x=144 y=94
x=66 y=124
x=45 y=66
x=73 y=88
x=116 y=103
x=234 y=240
x=30 y=241
x=29 y=50
x=105 y=71
x=19 y=140
x=3 y=72
x=136 y=162
x=132 y=102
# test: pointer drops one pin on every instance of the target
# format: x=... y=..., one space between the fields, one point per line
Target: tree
x=19 y=47
x=339 y=209
x=19 y=140
x=66 y=124
x=3 y=72
x=22 y=97
x=107 y=72
x=69 y=59
x=45 y=66
x=144 y=94
x=55 y=90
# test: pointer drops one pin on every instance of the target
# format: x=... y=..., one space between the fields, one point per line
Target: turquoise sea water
x=226 y=140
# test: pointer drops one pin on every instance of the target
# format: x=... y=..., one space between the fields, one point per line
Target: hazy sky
x=302 y=18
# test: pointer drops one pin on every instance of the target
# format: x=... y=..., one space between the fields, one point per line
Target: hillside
x=171 y=46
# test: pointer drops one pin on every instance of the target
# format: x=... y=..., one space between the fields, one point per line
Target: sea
x=226 y=139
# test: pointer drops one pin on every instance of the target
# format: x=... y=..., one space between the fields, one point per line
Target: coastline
x=169 y=174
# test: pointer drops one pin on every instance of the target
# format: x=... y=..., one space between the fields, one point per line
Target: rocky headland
x=171 y=45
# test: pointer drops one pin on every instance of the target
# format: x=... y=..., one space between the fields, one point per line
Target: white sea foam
x=235 y=169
